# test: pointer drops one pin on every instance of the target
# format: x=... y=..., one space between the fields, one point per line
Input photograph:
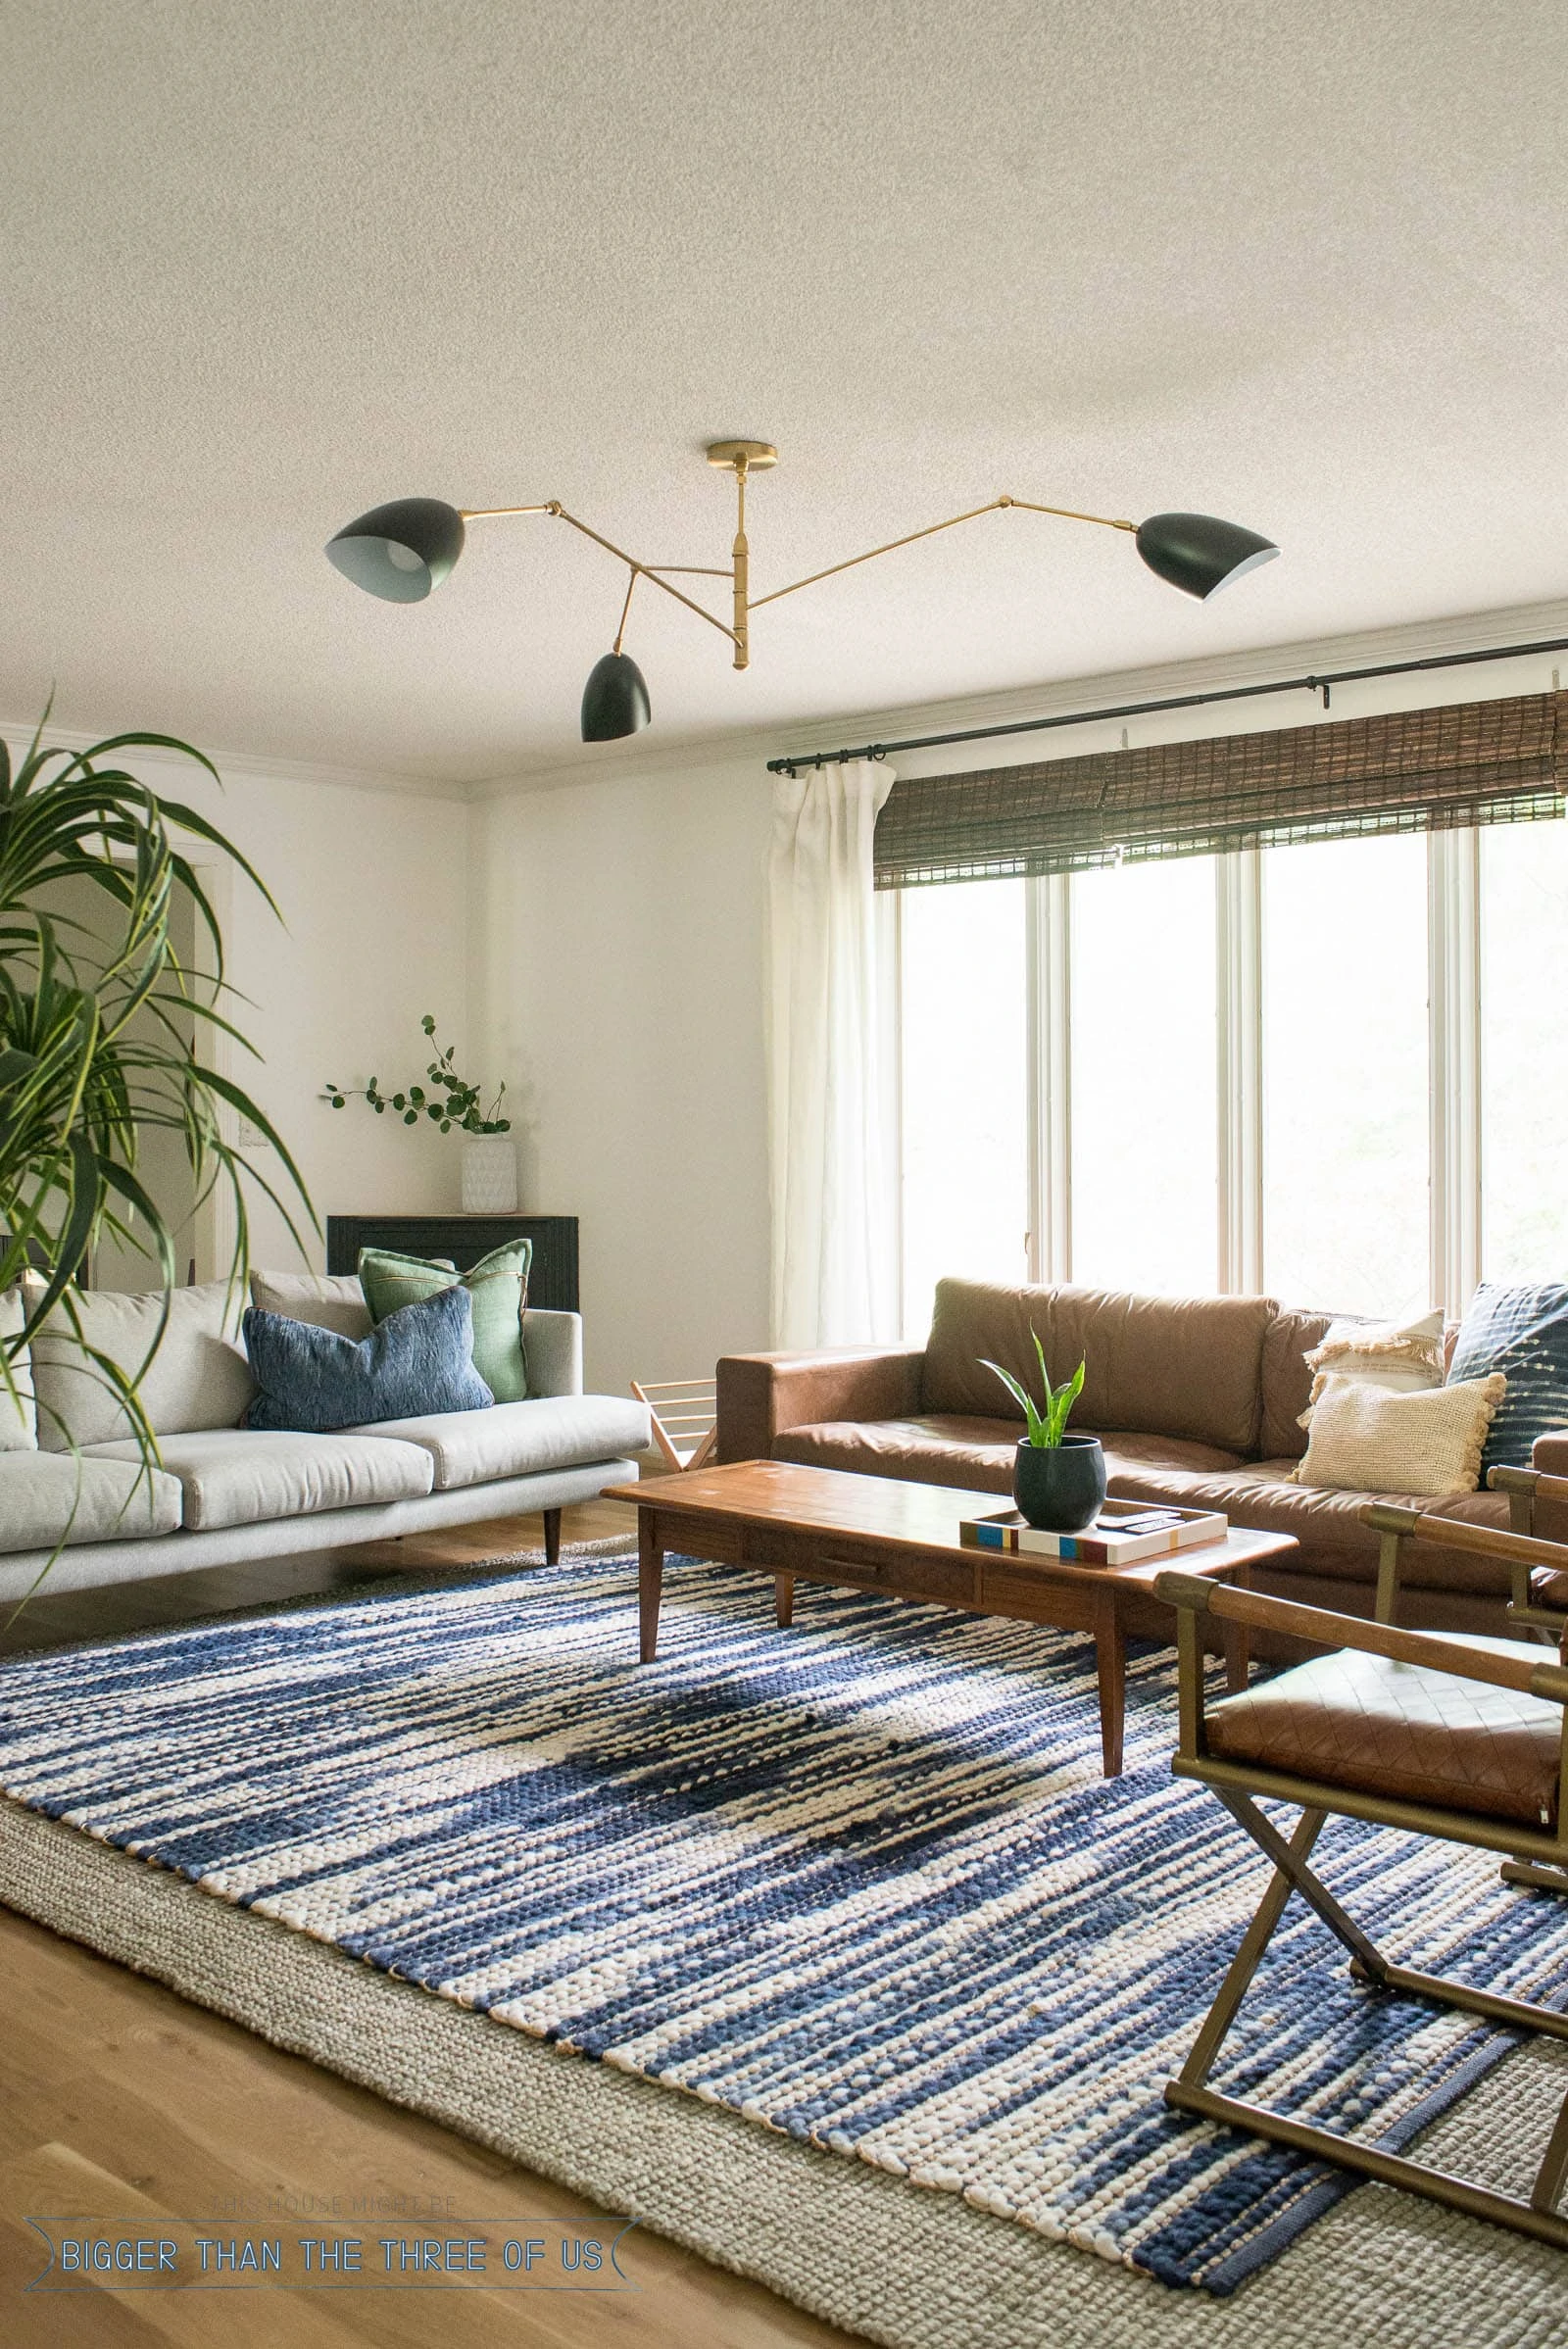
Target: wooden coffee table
x=874 y=1533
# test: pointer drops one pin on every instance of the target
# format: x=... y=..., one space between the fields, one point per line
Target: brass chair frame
x=1238 y=1786
x=1524 y=1487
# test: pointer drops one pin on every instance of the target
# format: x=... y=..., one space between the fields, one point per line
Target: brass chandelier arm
x=552 y=506
x=625 y=609
x=738 y=573
x=993 y=506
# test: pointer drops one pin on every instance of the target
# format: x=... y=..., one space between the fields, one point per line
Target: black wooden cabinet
x=552 y=1280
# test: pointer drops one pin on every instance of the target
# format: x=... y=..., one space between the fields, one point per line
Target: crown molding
x=251 y=766
x=1416 y=640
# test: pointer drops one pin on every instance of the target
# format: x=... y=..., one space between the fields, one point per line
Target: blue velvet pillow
x=420 y=1359
x=1523 y=1334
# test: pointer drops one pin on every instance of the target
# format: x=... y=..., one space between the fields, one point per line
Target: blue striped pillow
x=1523 y=1334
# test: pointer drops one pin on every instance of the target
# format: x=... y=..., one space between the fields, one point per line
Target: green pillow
x=497 y=1286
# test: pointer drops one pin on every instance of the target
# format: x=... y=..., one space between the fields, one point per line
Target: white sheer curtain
x=835 y=1228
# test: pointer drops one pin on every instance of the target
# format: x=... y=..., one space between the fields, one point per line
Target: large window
x=1334 y=1073
x=1346 y=1214
x=1144 y=1120
x=1524 y=1052
x=964 y=1105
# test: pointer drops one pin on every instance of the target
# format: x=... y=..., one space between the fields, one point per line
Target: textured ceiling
x=267 y=264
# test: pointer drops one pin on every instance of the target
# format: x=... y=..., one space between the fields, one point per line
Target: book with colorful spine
x=1123 y=1534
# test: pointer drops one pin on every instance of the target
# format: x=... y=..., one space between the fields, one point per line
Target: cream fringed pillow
x=1366 y=1439
x=1404 y=1355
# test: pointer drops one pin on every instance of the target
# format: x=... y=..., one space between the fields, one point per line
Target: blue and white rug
x=860 y=1881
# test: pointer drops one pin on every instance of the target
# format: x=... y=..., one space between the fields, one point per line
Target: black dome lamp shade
x=615 y=700
x=1200 y=553
x=399 y=552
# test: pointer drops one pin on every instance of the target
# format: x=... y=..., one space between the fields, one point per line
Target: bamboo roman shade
x=1411 y=771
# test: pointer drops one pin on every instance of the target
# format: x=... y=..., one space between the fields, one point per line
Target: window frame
x=1453 y=1056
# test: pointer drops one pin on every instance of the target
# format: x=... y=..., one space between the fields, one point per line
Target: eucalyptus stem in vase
x=451 y=1103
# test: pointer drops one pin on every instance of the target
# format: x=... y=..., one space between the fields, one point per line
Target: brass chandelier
x=402 y=551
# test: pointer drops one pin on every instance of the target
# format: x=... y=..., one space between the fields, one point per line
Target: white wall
x=371 y=886
x=618 y=971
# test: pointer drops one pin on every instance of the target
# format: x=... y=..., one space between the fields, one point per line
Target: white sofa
x=223 y=1493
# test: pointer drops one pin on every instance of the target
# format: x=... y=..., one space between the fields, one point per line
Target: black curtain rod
x=1184 y=701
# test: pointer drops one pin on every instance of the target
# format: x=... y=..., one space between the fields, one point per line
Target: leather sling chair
x=1463 y=1738
x=1538 y=1577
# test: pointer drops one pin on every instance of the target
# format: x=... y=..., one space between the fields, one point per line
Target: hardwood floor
x=118 y=2098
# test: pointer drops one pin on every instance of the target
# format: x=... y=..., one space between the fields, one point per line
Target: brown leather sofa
x=1196 y=1401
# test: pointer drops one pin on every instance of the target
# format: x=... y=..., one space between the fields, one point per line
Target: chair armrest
x=1196 y=1597
x=759 y=1395
x=1515 y=1550
x=1550 y=1511
x=552 y=1351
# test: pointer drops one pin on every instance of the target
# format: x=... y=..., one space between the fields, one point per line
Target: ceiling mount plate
x=758 y=454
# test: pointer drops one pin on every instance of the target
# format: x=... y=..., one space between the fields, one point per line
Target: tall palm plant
x=99 y=1048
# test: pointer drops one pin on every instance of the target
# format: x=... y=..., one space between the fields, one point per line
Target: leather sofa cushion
x=1287 y=1382
x=1334 y=1543
x=949 y=1449
x=1188 y=1367
x=1399 y=1730
x=247 y=1477
x=46 y=1496
x=553 y=1431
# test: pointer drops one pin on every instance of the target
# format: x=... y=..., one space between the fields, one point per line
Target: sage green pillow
x=497 y=1286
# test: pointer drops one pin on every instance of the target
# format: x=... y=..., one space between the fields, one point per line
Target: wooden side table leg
x=650 y=1583
x=1238 y=1641
x=784 y=1599
x=1110 y=1655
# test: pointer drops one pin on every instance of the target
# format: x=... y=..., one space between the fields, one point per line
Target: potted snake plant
x=1059 y=1480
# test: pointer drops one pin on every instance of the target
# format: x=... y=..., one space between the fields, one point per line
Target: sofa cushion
x=948 y=1449
x=498 y=1293
x=1334 y=1543
x=1407 y=1356
x=548 y=1431
x=19 y=1419
x=46 y=1498
x=419 y=1358
x=1523 y=1334
x=1365 y=1438
x=327 y=1300
x=1161 y=1366
x=198 y=1377
x=240 y=1477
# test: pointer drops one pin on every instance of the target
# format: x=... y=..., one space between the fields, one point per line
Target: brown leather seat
x=1400 y=1731
x=977 y=1454
x=1548 y=1588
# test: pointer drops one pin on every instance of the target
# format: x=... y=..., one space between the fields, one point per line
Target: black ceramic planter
x=1060 y=1488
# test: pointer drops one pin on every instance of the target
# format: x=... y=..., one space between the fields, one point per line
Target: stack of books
x=1121 y=1534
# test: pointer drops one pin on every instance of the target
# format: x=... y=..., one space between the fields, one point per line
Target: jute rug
x=898 y=1778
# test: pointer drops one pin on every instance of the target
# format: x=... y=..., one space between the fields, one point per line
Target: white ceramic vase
x=489 y=1175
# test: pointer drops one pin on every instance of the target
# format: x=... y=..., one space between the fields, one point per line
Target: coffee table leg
x=1110 y=1655
x=1237 y=1640
x=784 y=1599
x=650 y=1583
